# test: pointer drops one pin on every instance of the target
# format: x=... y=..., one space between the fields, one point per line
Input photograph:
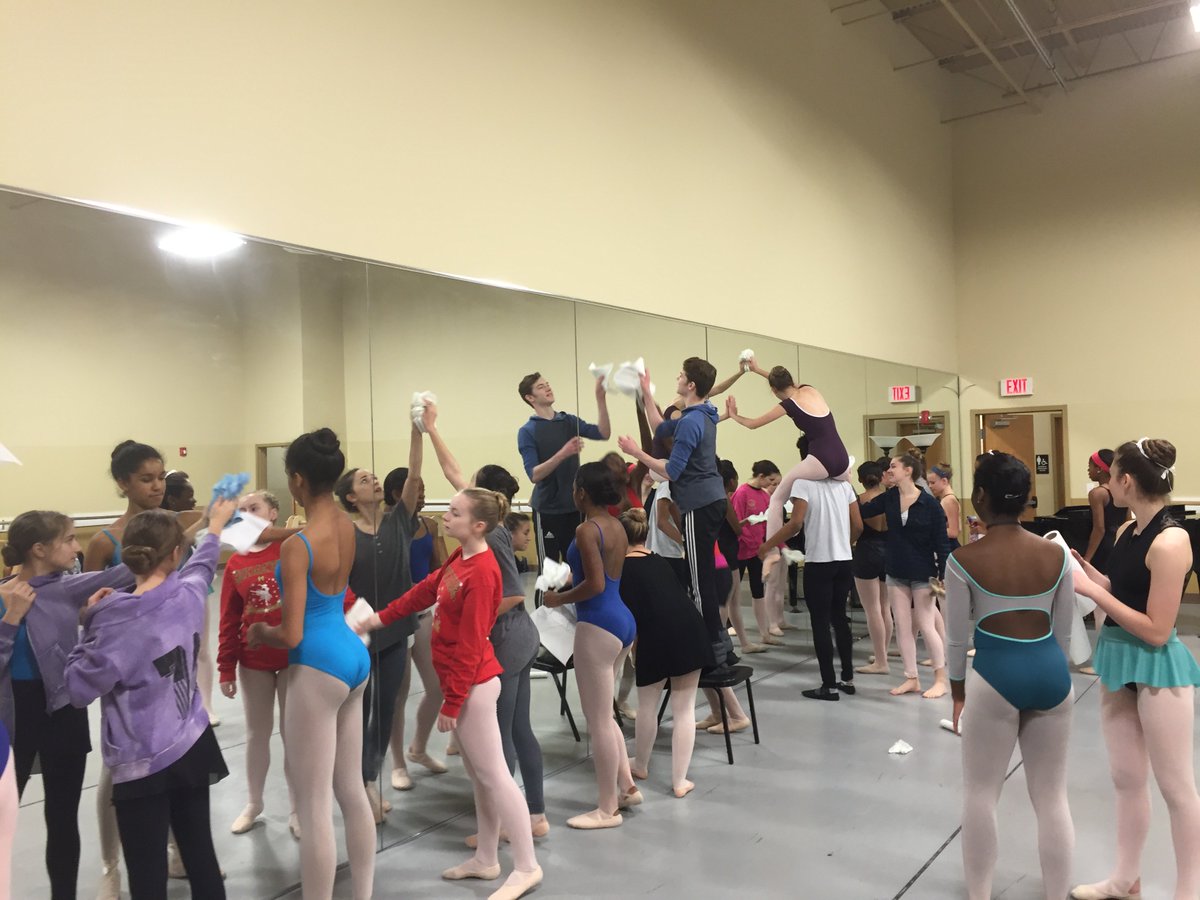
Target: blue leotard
x=328 y=644
x=606 y=610
x=420 y=556
x=116 y=542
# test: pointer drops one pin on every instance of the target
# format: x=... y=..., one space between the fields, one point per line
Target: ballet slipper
x=175 y=867
x=708 y=722
x=684 y=788
x=627 y=712
x=597 y=818
x=110 y=882
x=452 y=746
x=788 y=626
x=632 y=797
x=971 y=653
x=908 y=686
x=472 y=840
x=874 y=669
x=294 y=825
x=639 y=774
x=735 y=725
x=770 y=640
x=379 y=806
x=775 y=631
x=401 y=781
x=539 y=825
x=926 y=663
x=214 y=720
x=246 y=820
x=518 y=884
x=1086 y=670
x=434 y=765
x=472 y=868
x=1103 y=890
x=753 y=648
x=940 y=686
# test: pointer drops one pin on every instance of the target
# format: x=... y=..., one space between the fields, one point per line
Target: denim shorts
x=911 y=584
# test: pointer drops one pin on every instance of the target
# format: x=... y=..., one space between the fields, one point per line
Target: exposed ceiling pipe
x=983 y=48
x=1045 y=57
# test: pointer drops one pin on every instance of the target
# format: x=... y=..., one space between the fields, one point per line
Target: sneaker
x=846 y=687
x=822 y=693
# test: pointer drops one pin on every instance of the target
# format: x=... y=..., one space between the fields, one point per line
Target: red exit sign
x=902 y=393
x=1016 y=387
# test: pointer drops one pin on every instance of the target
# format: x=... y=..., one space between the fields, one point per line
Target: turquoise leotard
x=116 y=542
x=328 y=644
x=606 y=610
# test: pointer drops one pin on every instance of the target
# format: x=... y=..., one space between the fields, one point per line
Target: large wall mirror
x=220 y=362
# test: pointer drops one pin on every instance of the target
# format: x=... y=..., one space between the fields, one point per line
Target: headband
x=1166 y=470
x=1100 y=463
x=939 y=472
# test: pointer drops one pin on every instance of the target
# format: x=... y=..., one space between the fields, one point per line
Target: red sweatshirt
x=249 y=594
x=467 y=593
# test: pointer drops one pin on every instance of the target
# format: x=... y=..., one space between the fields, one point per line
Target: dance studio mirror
x=220 y=362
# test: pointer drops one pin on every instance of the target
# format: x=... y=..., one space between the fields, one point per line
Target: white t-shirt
x=656 y=540
x=826 y=520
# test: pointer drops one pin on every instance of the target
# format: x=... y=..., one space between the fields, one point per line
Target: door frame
x=1055 y=409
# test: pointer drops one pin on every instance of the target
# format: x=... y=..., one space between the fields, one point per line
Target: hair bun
x=10 y=555
x=140 y=560
x=1160 y=451
x=124 y=445
x=326 y=441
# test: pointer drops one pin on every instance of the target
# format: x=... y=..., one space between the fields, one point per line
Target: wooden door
x=1013 y=434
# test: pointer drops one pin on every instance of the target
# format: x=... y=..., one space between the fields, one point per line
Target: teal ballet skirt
x=1122 y=659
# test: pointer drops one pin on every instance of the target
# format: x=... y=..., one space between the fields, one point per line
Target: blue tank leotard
x=116 y=557
x=420 y=556
x=328 y=644
x=606 y=610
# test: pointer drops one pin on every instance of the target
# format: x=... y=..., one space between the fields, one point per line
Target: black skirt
x=672 y=639
x=202 y=766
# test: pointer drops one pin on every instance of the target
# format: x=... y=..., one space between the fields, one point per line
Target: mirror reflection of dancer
x=382 y=572
x=916 y=540
x=467 y=591
x=249 y=594
x=514 y=637
x=1018 y=590
x=1149 y=678
x=138 y=655
x=35 y=639
x=603 y=636
x=803 y=404
x=550 y=443
x=869 y=575
x=1107 y=517
x=328 y=668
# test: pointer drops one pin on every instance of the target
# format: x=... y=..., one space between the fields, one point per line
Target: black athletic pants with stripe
x=700 y=527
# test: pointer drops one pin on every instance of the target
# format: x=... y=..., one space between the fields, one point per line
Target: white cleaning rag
x=555 y=575
x=756 y=518
x=357 y=614
x=1080 y=648
x=900 y=748
x=744 y=359
x=419 y=401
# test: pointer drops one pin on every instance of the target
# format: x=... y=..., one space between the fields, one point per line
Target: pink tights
x=808 y=469
x=8 y=824
x=909 y=601
x=1152 y=730
x=599 y=657
x=683 y=724
x=499 y=803
x=879 y=616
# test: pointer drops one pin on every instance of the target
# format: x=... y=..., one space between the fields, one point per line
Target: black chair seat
x=545 y=662
x=728 y=677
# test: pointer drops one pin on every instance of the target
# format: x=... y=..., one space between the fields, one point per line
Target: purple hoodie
x=52 y=624
x=139 y=655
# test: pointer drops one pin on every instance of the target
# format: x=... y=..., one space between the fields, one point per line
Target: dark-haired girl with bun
x=467 y=592
x=603 y=636
x=869 y=574
x=1107 y=517
x=806 y=407
x=35 y=639
x=1148 y=677
x=1018 y=590
x=141 y=479
x=752 y=499
x=138 y=656
x=327 y=673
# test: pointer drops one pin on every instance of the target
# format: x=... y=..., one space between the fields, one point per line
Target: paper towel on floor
x=357 y=614
x=419 y=401
x=555 y=575
x=900 y=748
x=1080 y=648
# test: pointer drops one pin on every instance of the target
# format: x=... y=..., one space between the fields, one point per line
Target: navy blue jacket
x=916 y=551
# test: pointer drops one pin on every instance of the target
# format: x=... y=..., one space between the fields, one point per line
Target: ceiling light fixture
x=198 y=242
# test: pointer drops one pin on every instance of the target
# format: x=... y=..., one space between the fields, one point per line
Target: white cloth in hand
x=357 y=614
x=419 y=401
x=244 y=532
x=1080 y=647
x=555 y=575
x=756 y=519
x=744 y=359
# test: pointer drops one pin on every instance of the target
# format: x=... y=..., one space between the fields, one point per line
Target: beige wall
x=748 y=165
x=1078 y=237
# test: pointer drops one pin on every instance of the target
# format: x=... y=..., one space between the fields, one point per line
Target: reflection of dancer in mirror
x=381 y=572
x=249 y=594
x=1017 y=588
x=827 y=456
x=603 y=637
x=514 y=637
x=138 y=653
x=916 y=540
x=550 y=443
x=426 y=553
x=42 y=722
x=467 y=591
x=1107 y=517
x=672 y=644
x=869 y=575
x=328 y=668
x=1148 y=677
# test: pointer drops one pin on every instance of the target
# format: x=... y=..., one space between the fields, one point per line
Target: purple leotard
x=824 y=442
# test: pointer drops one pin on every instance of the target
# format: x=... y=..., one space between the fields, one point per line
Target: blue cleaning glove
x=230 y=487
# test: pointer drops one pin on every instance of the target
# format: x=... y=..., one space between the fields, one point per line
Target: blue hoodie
x=692 y=468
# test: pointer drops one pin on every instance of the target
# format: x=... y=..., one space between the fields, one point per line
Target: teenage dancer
x=916 y=540
x=1018 y=590
x=672 y=645
x=514 y=637
x=803 y=403
x=467 y=591
x=35 y=639
x=725 y=555
x=750 y=499
x=426 y=553
x=869 y=576
x=381 y=572
x=941 y=486
x=603 y=636
x=138 y=655
x=1107 y=517
x=1149 y=678
x=328 y=668
x=249 y=594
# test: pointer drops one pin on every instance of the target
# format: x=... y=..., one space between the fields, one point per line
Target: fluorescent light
x=1196 y=16
x=196 y=242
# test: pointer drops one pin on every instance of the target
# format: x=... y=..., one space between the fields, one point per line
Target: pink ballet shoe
x=597 y=818
x=472 y=868
x=632 y=797
x=1102 y=891
x=518 y=884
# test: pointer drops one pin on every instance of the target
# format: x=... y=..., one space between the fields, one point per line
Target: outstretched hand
x=219 y=514
x=429 y=416
x=731 y=406
x=628 y=445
